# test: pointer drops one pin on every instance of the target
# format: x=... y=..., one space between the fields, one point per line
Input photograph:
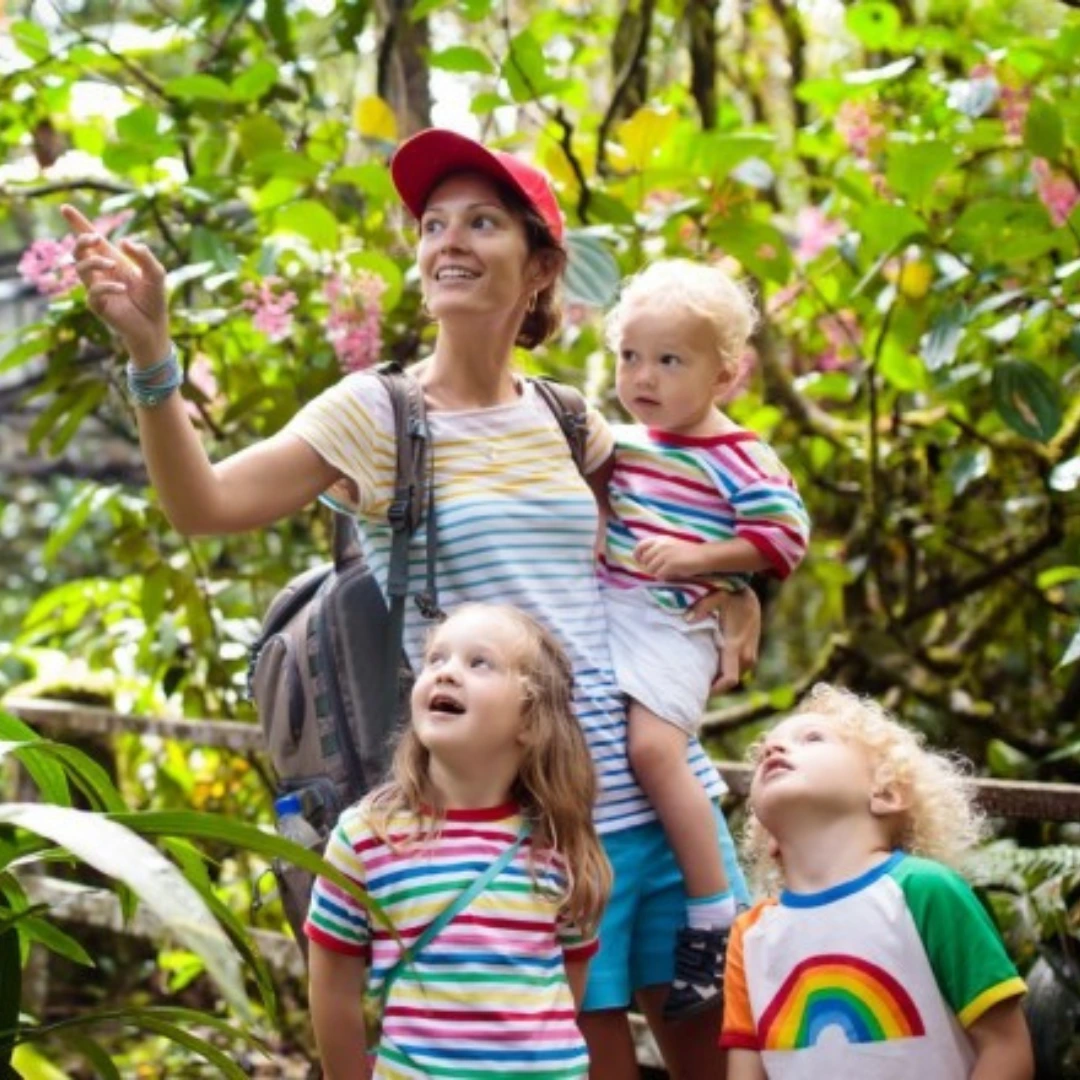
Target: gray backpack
x=327 y=672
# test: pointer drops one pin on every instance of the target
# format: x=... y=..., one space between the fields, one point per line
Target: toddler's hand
x=667 y=559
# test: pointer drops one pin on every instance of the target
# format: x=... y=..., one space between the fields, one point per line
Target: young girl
x=494 y=753
x=693 y=498
x=876 y=960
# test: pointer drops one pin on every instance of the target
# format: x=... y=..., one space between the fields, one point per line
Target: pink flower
x=355 y=322
x=816 y=233
x=270 y=309
x=1057 y=191
x=856 y=125
x=1014 y=102
x=200 y=375
x=49 y=266
x=843 y=334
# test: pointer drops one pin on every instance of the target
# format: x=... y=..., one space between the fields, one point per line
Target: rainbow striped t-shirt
x=877 y=977
x=699 y=489
x=516 y=524
x=488 y=996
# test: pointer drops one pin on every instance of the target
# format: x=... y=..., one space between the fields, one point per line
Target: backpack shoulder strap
x=571 y=410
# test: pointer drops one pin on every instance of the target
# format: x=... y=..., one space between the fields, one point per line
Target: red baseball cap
x=420 y=163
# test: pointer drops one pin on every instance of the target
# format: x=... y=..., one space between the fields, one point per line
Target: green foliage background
x=919 y=373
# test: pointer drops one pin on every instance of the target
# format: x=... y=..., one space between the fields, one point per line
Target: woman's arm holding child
x=1002 y=1044
x=335 y=989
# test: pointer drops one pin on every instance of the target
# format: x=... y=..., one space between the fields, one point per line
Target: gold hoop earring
x=423 y=306
x=532 y=303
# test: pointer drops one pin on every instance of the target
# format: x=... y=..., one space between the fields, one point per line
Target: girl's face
x=668 y=373
x=468 y=700
x=807 y=763
x=474 y=254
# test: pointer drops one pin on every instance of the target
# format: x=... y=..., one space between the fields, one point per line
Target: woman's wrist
x=149 y=351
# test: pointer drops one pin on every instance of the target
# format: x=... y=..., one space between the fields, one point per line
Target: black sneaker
x=699 y=973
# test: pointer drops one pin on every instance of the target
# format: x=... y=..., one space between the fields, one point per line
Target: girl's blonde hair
x=940 y=820
x=555 y=786
x=680 y=284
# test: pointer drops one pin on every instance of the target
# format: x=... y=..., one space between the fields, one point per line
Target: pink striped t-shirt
x=700 y=489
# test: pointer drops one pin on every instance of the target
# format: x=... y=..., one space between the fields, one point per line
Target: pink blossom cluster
x=355 y=322
x=815 y=233
x=843 y=334
x=856 y=125
x=270 y=307
x=49 y=265
x=1057 y=192
x=1014 y=102
x=201 y=376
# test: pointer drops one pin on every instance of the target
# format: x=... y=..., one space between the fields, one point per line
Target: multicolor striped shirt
x=516 y=524
x=699 y=489
x=488 y=996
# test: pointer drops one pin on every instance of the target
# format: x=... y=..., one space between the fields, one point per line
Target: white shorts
x=661 y=660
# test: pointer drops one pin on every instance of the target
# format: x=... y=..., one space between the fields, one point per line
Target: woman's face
x=474 y=255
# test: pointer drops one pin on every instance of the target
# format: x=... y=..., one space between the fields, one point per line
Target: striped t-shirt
x=488 y=996
x=516 y=525
x=699 y=489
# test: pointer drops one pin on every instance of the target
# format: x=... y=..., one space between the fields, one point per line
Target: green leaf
x=117 y=852
x=901 y=368
x=97 y=1056
x=1026 y=399
x=874 y=23
x=48 y=775
x=29 y=349
x=1057 y=575
x=277 y=22
x=946 y=332
x=259 y=134
x=869 y=76
x=255 y=82
x=1044 y=133
x=914 y=168
x=30 y=39
x=199 y=88
x=592 y=274
x=55 y=940
x=462 y=58
x=887 y=228
x=761 y=248
x=1072 y=653
x=310 y=220
x=195 y=825
x=525 y=69
x=1005 y=760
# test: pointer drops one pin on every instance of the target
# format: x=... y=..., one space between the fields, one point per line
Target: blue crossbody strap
x=452 y=910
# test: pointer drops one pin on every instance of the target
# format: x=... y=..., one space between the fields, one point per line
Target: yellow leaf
x=915 y=279
x=644 y=133
x=374 y=119
x=31 y=1065
x=558 y=167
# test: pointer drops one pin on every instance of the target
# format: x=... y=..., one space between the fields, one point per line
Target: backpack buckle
x=428 y=606
x=397 y=515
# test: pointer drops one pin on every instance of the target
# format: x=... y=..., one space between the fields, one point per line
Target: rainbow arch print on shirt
x=836 y=990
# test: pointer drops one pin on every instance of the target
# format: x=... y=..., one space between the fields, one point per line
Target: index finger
x=78 y=221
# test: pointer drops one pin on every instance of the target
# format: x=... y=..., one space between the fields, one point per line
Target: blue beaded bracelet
x=150 y=386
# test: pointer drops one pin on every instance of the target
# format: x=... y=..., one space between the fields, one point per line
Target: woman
x=516 y=521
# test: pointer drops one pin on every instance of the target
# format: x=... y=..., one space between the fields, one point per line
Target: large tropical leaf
x=116 y=851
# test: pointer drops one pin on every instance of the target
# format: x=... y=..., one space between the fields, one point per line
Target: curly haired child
x=876 y=960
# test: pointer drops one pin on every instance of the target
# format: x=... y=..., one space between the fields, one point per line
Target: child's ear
x=889 y=797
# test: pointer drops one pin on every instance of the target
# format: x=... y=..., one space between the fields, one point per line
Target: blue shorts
x=646 y=910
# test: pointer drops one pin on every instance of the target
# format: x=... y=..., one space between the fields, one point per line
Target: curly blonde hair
x=555 y=786
x=707 y=291
x=940 y=821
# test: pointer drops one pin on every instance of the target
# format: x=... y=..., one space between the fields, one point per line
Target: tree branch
x=88 y=183
x=631 y=72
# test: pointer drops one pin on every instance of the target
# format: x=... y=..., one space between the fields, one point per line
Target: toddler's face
x=668 y=373
x=808 y=764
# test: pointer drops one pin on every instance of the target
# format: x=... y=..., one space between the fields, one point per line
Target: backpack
x=327 y=673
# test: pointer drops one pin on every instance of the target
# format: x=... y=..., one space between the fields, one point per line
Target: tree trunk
x=701 y=24
x=403 y=72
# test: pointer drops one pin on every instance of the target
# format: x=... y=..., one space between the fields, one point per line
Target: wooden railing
x=99 y=908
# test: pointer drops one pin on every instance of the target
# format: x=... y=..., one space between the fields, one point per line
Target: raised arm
x=126 y=290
